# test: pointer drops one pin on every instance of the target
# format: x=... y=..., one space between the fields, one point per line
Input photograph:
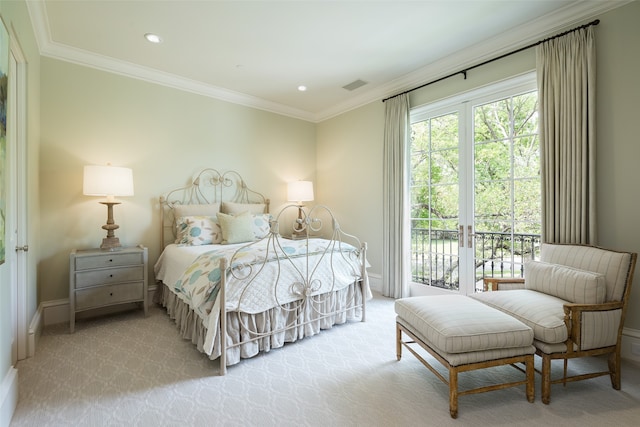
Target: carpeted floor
x=127 y=370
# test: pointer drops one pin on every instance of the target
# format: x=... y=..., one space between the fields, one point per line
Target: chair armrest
x=573 y=316
x=577 y=308
x=493 y=283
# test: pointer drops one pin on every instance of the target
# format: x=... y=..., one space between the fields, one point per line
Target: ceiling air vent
x=354 y=85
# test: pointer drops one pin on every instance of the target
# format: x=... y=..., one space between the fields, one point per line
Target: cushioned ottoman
x=464 y=335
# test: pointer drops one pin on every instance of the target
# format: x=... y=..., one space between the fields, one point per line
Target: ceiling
x=257 y=53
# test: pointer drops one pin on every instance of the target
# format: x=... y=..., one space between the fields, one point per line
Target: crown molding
x=523 y=35
x=111 y=65
x=572 y=15
x=51 y=49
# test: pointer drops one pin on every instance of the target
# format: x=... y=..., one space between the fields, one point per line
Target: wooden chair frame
x=573 y=314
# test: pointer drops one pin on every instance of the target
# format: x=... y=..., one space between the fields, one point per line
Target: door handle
x=461 y=237
x=24 y=248
x=470 y=236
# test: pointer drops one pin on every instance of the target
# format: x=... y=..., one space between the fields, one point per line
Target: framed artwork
x=4 y=78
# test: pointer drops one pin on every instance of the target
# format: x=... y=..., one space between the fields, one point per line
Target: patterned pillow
x=198 y=230
x=260 y=225
x=236 y=229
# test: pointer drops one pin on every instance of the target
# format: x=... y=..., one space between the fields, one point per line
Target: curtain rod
x=464 y=72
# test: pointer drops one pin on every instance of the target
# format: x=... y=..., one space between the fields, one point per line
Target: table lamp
x=108 y=181
x=299 y=191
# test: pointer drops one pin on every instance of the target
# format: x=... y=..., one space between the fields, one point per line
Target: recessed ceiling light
x=302 y=88
x=153 y=38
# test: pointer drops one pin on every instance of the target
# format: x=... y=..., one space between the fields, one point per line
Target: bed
x=239 y=281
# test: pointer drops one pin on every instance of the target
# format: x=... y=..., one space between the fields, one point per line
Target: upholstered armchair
x=575 y=300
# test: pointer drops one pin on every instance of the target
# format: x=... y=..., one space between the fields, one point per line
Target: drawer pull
x=110 y=260
x=110 y=294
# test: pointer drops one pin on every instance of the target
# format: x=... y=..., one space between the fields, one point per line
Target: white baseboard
x=35 y=331
x=54 y=312
x=8 y=396
x=631 y=345
x=375 y=282
x=57 y=311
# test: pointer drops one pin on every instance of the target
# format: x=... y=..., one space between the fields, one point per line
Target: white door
x=16 y=232
x=475 y=188
x=438 y=250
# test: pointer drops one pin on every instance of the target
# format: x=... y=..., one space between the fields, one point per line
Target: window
x=475 y=186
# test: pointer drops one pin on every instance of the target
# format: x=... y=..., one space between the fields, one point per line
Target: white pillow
x=567 y=283
x=237 y=208
x=236 y=229
x=198 y=230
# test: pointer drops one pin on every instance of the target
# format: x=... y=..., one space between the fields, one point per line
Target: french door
x=475 y=188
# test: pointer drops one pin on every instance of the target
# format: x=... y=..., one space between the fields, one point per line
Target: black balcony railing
x=434 y=256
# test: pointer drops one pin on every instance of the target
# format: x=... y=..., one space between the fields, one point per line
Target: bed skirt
x=250 y=334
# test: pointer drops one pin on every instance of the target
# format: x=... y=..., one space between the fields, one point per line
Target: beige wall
x=618 y=142
x=350 y=174
x=166 y=136
x=618 y=96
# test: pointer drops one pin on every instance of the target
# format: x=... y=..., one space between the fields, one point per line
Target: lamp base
x=110 y=244
x=298 y=234
x=299 y=227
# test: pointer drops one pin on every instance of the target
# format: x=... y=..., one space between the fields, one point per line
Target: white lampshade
x=107 y=181
x=300 y=191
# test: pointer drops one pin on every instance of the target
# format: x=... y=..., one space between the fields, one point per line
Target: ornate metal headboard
x=208 y=187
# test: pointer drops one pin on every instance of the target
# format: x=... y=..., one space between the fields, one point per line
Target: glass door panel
x=435 y=193
x=506 y=186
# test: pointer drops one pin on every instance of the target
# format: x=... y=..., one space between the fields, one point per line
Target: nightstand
x=99 y=278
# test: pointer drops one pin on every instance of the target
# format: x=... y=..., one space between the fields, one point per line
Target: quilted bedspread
x=264 y=275
x=267 y=274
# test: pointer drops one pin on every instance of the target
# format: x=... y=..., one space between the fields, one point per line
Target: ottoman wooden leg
x=453 y=392
x=398 y=342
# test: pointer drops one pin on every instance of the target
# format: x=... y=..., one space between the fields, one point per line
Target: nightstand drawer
x=107 y=295
x=108 y=260
x=99 y=278
x=109 y=275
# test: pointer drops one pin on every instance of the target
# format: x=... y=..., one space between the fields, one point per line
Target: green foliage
x=506 y=173
x=434 y=169
x=507 y=167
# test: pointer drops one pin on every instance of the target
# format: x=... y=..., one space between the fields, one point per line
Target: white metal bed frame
x=212 y=186
x=209 y=186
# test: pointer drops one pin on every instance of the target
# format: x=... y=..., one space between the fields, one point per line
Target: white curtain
x=566 y=92
x=395 y=250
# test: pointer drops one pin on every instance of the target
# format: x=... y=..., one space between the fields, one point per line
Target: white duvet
x=266 y=274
